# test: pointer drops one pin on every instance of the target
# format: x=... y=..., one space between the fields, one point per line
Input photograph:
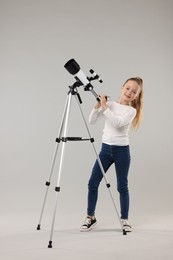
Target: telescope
x=81 y=79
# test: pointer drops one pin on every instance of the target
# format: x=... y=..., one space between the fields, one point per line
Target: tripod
x=62 y=137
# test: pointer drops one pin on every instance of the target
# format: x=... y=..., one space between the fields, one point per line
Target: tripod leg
x=53 y=162
x=48 y=184
x=57 y=188
x=101 y=167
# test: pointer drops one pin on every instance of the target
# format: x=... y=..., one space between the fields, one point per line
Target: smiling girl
x=119 y=116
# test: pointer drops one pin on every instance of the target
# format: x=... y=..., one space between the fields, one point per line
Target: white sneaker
x=88 y=224
x=126 y=225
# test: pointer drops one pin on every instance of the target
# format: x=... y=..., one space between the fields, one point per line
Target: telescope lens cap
x=72 y=67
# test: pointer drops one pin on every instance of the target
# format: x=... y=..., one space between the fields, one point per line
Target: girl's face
x=129 y=91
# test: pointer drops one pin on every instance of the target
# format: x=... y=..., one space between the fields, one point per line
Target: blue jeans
x=120 y=156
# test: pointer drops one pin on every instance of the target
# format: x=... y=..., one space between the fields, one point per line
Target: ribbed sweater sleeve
x=95 y=115
x=119 y=120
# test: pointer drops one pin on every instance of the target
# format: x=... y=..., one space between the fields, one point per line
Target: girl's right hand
x=98 y=105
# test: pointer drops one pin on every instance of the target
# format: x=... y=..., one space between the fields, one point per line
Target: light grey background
x=118 y=39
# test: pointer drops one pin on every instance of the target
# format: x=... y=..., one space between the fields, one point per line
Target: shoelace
x=87 y=221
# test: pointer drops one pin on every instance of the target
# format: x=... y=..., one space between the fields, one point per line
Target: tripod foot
x=124 y=232
x=38 y=227
x=50 y=244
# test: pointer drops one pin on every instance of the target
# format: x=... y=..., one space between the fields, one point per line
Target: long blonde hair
x=138 y=102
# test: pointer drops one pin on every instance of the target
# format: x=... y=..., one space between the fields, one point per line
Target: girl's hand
x=98 y=105
x=103 y=101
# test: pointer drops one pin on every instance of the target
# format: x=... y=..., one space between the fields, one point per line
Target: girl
x=115 y=146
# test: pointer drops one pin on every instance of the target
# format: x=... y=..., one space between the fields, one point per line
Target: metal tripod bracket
x=65 y=139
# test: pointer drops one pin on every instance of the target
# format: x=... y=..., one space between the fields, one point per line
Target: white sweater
x=117 y=122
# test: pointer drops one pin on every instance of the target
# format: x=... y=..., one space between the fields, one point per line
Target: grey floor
x=152 y=238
